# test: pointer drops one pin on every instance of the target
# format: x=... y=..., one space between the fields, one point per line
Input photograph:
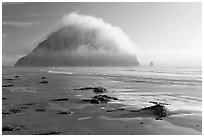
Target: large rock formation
x=75 y=45
x=151 y=64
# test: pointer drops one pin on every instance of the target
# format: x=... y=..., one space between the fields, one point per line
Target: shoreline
x=30 y=107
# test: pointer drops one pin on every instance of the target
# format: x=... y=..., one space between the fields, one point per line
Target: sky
x=169 y=34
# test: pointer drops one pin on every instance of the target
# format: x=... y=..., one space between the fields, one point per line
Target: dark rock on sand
x=92 y=101
x=99 y=90
x=112 y=110
x=158 y=118
x=44 y=81
x=95 y=101
x=6 y=112
x=158 y=110
x=104 y=97
x=8 y=79
x=100 y=99
x=10 y=128
x=30 y=104
x=15 y=110
x=60 y=99
x=153 y=102
x=134 y=110
x=16 y=76
x=7 y=128
x=66 y=113
x=121 y=109
x=49 y=133
x=6 y=104
x=85 y=88
x=95 y=89
x=40 y=110
x=23 y=107
x=7 y=85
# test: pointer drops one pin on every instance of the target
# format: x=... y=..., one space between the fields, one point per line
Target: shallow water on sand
x=134 y=86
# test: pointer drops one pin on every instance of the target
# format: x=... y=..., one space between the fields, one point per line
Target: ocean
x=59 y=107
x=179 y=87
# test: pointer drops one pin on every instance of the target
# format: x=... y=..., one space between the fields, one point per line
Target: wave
x=143 y=79
x=118 y=76
x=174 y=79
x=60 y=72
x=156 y=82
x=168 y=71
x=175 y=71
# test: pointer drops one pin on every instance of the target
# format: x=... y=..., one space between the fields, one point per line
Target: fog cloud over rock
x=83 y=40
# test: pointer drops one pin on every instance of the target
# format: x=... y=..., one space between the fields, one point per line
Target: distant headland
x=81 y=44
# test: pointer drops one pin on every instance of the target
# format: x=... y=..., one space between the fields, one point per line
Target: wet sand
x=28 y=108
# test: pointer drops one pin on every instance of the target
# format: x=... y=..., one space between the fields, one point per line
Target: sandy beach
x=57 y=107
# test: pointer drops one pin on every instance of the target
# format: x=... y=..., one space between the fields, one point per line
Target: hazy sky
x=165 y=33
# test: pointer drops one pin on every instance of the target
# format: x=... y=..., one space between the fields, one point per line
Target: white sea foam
x=124 y=119
x=83 y=118
x=60 y=72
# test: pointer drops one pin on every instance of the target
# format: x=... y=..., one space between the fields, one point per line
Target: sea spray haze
x=83 y=40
